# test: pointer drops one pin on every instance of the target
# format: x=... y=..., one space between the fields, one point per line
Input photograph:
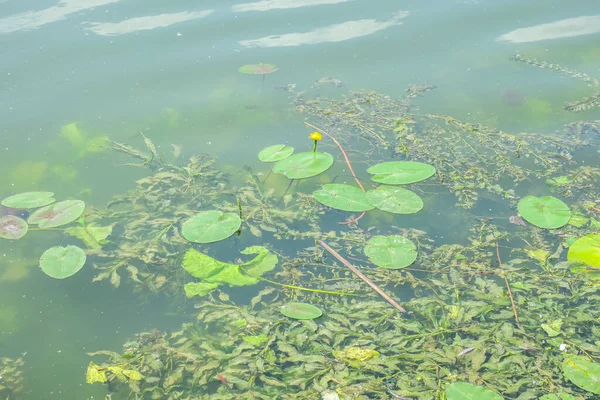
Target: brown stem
x=362 y=276
x=512 y=300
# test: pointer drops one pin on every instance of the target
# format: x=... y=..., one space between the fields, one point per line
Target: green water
x=77 y=70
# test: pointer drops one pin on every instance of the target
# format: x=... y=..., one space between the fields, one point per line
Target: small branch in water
x=362 y=276
x=512 y=300
x=353 y=220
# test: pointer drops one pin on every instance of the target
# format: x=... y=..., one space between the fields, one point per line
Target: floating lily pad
x=29 y=200
x=12 y=227
x=401 y=172
x=343 y=197
x=210 y=226
x=304 y=165
x=583 y=373
x=466 y=391
x=258 y=69
x=586 y=250
x=546 y=212
x=395 y=200
x=275 y=153
x=301 y=311
x=57 y=214
x=558 y=396
x=62 y=262
x=391 y=252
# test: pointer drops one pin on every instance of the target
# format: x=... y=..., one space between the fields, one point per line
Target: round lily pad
x=258 y=69
x=391 y=252
x=301 y=311
x=275 y=153
x=304 y=165
x=210 y=226
x=401 y=172
x=12 y=227
x=395 y=200
x=29 y=200
x=57 y=214
x=546 y=212
x=62 y=262
x=343 y=197
x=467 y=391
x=586 y=250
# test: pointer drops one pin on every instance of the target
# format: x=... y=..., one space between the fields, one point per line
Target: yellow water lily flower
x=316 y=136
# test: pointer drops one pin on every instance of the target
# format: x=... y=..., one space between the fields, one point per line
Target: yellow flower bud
x=316 y=136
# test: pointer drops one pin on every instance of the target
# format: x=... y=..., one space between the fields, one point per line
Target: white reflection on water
x=332 y=33
x=559 y=29
x=144 y=23
x=266 y=5
x=35 y=19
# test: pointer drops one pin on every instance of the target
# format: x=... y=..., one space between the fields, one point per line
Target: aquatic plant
x=12 y=383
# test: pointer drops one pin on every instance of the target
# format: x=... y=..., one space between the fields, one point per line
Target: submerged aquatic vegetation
x=12 y=382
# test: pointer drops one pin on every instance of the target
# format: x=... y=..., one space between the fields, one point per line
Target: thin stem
x=512 y=300
x=307 y=289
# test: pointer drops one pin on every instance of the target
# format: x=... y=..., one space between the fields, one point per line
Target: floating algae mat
x=494 y=311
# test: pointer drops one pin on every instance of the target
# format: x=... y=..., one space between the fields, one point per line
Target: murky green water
x=78 y=71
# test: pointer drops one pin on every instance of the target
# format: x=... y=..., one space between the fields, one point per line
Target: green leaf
x=200 y=265
x=93 y=236
x=343 y=197
x=401 y=172
x=546 y=212
x=264 y=262
x=232 y=275
x=12 y=227
x=29 y=200
x=210 y=226
x=304 y=165
x=57 y=214
x=255 y=340
x=558 y=396
x=258 y=69
x=583 y=373
x=553 y=328
x=275 y=153
x=199 y=288
x=62 y=262
x=300 y=311
x=466 y=391
x=578 y=220
x=395 y=200
x=586 y=250
x=95 y=374
x=392 y=252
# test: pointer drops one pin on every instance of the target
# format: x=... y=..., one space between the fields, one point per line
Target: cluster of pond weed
x=464 y=324
x=12 y=381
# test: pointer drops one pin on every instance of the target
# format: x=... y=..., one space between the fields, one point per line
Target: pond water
x=75 y=73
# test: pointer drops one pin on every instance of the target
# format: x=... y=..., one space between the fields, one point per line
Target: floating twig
x=512 y=300
x=362 y=276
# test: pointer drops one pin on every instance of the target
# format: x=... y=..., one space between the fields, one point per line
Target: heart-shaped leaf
x=57 y=214
x=546 y=212
x=300 y=311
x=391 y=252
x=343 y=197
x=275 y=153
x=29 y=200
x=304 y=165
x=12 y=227
x=401 y=172
x=210 y=226
x=395 y=200
x=62 y=262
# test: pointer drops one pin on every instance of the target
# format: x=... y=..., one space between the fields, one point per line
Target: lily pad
x=391 y=252
x=467 y=391
x=57 y=214
x=304 y=165
x=343 y=197
x=583 y=373
x=275 y=153
x=546 y=212
x=558 y=396
x=300 y=311
x=12 y=227
x=395 y=200
x=401 y=172
x=62 y=262
x=210 y=226
x=29 y=200
x=258 y=69
x=586 y=250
